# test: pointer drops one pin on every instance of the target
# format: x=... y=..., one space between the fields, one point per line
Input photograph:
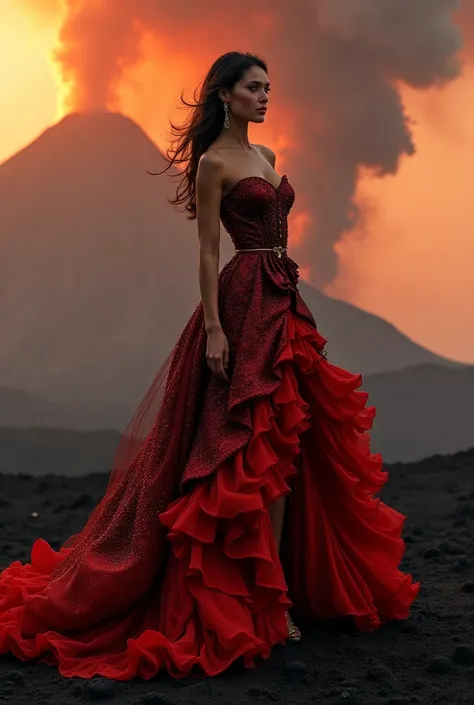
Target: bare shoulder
x=209 y=180
x=266 y=152
x=210 y=166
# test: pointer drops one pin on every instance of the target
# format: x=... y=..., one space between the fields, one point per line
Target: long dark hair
x=204 y=123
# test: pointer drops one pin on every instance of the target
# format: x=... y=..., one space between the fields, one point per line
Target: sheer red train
x=176 y=567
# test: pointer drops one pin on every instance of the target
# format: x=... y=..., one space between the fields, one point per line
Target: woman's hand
x=217 y=353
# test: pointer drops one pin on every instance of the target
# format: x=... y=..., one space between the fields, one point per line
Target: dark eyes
x=254 y=88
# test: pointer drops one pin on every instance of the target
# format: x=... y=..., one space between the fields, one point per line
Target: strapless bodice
x=255 y=212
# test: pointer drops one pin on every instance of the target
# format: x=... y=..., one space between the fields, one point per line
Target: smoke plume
x=465 y=20
x=336 y=66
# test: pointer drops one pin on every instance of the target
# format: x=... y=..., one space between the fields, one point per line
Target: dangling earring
x=226 y=119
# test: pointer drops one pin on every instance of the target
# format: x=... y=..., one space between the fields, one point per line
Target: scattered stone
x=462 y=564
x=84 y=500
x=155 y=699
x=432 y=553
x=333 y=692
x=468 y=586
x=15 y=678
x=202 y=687
x=378 y=673
x=335 y=673
x=440 y=664
x=347 y=697
x=452 y=548
x=350 y=683
x=60 y=508
x=463 y=654
x=298 y=667
x=262 y=694
x=466 y=510
x=99 y=689
x=297 y=671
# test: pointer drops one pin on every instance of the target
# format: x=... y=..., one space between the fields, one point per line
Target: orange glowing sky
x=411 y=263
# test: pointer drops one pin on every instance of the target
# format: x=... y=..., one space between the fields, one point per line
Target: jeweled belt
x=279 y=250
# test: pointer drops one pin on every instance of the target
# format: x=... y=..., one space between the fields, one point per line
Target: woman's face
x=249 y=98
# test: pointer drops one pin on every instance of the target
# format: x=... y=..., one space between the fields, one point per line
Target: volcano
x=99 y=272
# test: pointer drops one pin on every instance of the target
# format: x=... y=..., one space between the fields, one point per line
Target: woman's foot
x=294 y=633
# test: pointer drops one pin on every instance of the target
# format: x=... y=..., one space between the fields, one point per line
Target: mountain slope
x=95 y=261
x=19 y=409
x=361 y=341
x=422 y=410
x=99 y=271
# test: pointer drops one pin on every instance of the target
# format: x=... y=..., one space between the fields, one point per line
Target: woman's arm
x=209 y=180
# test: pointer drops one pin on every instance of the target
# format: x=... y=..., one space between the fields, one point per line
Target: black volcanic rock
x=464 y=654
x=415 y=661
x=439 y=665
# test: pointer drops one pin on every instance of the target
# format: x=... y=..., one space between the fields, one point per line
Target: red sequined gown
x=176 y=568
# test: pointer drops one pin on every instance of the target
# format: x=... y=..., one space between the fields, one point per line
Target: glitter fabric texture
x=176 y=568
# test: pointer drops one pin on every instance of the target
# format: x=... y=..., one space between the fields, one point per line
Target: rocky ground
x=428 y=659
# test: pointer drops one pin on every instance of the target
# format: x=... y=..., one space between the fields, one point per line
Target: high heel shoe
x=294 y=633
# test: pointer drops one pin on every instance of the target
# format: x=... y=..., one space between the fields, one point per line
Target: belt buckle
x=279 y=250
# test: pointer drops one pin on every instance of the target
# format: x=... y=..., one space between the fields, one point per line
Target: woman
x=244 y=483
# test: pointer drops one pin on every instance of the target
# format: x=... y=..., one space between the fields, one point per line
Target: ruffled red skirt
x=223 y=592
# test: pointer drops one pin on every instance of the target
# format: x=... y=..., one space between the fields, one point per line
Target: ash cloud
x=415 y=40
x=336 y=67
x=465 y=20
